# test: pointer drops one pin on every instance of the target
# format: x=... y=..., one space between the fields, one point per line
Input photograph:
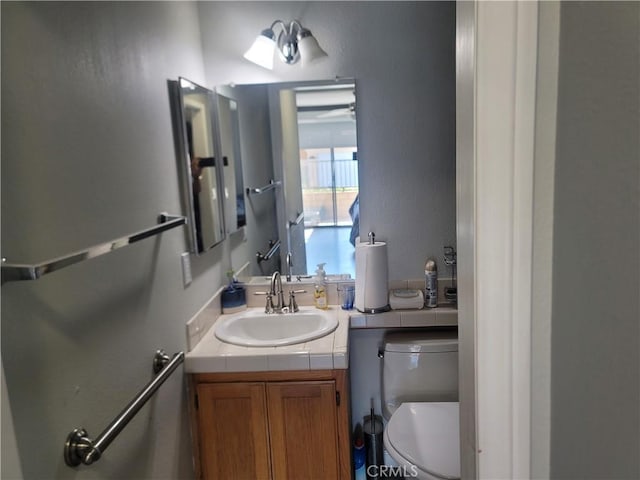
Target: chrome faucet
x=289 y=264
x=275 y=290
x=276 y=282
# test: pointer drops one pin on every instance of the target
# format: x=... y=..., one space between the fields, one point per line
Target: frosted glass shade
x=309 y=49
x=261 y=52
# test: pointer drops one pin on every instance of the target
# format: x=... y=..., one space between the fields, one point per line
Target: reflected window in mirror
x=329 y=176
x=302 y=136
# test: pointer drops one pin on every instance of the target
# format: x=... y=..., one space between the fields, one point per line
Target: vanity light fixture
x=294 y=42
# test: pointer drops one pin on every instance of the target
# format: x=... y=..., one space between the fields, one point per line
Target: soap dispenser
x=320 y=288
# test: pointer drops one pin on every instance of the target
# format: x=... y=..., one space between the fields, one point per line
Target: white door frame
x=496 y=50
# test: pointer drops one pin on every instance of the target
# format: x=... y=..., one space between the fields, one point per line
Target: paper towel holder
x=385 y=308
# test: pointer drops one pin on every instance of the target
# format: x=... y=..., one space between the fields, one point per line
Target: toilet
x=420 y=403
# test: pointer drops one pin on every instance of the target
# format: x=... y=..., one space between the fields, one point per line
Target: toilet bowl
x=419 y=402
x=424 y=439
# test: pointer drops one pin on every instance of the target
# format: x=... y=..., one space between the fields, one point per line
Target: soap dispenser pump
x=320 y=288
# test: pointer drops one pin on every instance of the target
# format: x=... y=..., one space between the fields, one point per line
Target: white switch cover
x=186 y=268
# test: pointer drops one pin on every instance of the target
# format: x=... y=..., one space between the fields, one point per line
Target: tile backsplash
x=203 y=320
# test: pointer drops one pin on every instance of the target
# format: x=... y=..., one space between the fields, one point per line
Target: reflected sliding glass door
x=329 y=185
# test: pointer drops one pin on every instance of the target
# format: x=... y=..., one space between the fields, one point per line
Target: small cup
x=347 y=296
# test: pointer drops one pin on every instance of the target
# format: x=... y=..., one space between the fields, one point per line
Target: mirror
x=313 y=151
x=229 y=141
x=193 y=119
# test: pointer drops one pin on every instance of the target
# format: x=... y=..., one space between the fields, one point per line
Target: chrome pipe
x=289 y=263
x=80 y=448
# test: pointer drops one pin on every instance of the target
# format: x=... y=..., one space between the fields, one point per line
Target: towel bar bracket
x=160 y=361
x=79 y=448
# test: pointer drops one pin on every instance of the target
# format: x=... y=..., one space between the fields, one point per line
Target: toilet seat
x=426 y=435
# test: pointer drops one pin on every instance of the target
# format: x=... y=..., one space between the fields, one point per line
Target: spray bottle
x=320 y=288
x=431 y=284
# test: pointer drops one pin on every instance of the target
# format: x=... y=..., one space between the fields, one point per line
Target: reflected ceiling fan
x=340 y=112
x=327 y=104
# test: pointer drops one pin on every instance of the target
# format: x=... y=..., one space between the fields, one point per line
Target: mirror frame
x=183 y=157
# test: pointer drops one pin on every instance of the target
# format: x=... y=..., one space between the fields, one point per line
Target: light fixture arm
x=295 y=23
x=288 y=29
x=287 y=40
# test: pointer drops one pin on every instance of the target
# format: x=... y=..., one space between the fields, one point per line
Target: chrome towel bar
x=14 y=272
x=79 y=448
x=299 y=218
x=272 y=184
x=273 y=248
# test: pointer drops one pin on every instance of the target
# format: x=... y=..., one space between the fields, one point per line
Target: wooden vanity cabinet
x=271 y=425
x=233 y=436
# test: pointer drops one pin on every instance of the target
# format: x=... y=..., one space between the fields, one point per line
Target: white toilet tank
x=419 y=367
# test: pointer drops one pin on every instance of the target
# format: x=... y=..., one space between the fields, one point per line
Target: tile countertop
x=325 y=353
x=208 y=354
x=441 y=316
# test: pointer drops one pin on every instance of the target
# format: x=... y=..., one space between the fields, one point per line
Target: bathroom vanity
x=276 y=424
x=271 y=412
x=284 y=412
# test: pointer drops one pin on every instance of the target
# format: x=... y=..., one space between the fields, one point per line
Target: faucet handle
x=269 y=305
x=293 y=305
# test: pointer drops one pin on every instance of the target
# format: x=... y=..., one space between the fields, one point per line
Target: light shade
x=294 y=43
x=262 y=50
x=309 y=49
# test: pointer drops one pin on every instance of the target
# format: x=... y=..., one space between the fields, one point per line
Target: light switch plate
x=186 y=268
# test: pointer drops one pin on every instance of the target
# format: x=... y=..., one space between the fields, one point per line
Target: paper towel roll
x=372 y=272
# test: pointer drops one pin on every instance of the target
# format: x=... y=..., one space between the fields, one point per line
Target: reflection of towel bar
x=272 y=184
x=297 y=221
x=273 y=248
x=13 y=272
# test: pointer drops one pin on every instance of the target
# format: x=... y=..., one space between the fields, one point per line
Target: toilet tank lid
x=423 y=342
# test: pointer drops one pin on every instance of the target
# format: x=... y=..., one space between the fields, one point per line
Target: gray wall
x=595 y=366
x=88 y=155
x=402 y=55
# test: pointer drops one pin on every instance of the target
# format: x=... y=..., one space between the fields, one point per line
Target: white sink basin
x=254 y=328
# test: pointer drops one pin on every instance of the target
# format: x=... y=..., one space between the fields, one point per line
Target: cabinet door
x=232 y=420
x=303 y=427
